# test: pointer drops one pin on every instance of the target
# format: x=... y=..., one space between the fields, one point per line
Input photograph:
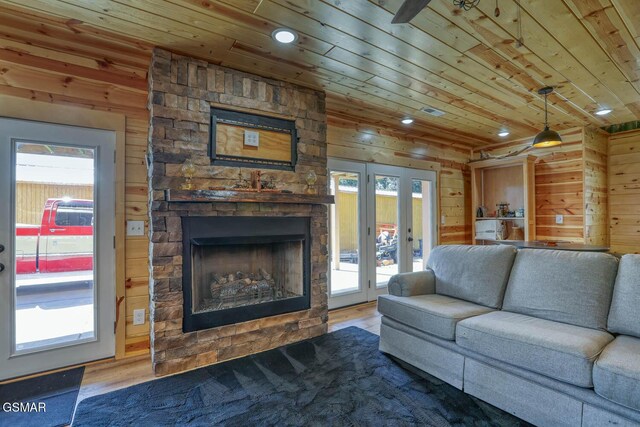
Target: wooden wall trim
x=26 y=109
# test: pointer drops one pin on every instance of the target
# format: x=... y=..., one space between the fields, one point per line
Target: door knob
x=1 y=268
x=410 y=239
x=1 y=248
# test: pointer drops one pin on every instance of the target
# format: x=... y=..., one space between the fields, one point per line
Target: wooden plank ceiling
x=466 y=64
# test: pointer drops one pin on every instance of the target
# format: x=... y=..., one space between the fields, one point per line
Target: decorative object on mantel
x=256 y=183
x=548 y=137
x=311 y=180
x=269 y=185
x=188 y=170
x=242 y=183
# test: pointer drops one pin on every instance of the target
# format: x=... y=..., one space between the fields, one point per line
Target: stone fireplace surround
x=182 y=91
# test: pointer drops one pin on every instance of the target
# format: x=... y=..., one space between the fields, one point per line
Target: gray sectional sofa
x=550 y=336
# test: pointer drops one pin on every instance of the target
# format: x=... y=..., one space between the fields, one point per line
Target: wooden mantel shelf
x=231 y=196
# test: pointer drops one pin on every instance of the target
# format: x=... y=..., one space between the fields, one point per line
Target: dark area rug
x=58 y=392
x=336 y=379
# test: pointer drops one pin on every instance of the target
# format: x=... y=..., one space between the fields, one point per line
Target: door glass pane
x=421 y=223
x=345 y=249
x=54 y=283
x=386 y=220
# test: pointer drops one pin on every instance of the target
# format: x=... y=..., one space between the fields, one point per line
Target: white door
x=383 y=223
x=57 y=259
x=348 y=236
x=422 y=221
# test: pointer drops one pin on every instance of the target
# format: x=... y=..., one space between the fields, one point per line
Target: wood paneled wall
x=368 y=143
x=559 y=185
x=624 y=191
x=594 y=154
x=67 y=63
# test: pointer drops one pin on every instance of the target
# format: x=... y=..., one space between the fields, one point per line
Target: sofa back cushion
x=473 y=273
x=565 y=286
x=624 y=316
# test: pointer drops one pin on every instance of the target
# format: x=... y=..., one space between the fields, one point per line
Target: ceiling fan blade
x=408 y=10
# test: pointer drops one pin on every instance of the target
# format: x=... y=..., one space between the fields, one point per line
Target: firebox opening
x=228 y=275
x=237 y=269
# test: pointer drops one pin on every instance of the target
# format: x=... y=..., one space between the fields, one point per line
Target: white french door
x=383 y=223
x=57 y=256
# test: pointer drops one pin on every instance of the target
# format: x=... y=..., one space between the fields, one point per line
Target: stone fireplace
x=231 y=275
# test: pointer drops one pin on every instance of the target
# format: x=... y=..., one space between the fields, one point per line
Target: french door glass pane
x=421 y=223
x=387 y=221
x=345 y=250
x=54 y=282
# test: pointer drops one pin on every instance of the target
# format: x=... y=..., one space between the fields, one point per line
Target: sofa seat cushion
x=616 y=374
x=434 y=314
x=560 y=351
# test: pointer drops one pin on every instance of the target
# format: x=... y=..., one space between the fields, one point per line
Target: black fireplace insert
x=237 y=269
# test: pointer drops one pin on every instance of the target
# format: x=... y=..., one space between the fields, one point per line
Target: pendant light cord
x=546 y=121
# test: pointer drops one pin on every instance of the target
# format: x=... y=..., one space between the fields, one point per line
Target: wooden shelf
x=231 y=196
x=507 y=218
x=496 y=240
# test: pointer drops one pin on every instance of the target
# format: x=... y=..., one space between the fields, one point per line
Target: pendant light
x=548 y=137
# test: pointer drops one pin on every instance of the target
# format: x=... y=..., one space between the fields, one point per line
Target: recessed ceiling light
x=284 y=35
x=407 y=121
x=604 y=111
x=503 y=133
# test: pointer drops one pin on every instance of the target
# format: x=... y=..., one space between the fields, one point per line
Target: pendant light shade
x=548 y=137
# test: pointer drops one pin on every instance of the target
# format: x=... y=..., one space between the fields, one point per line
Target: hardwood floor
x=100 y=378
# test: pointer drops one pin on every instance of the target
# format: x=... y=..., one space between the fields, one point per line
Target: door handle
x=1 y=248
x=409 y=239
x=1 y=268
x=53 y=230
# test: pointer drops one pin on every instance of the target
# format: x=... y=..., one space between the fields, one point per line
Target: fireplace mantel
x=231 y=196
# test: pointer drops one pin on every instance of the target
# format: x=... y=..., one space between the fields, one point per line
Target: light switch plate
x=559 y=219
x=251 y=138
x=135 y=228
x=138 y=316
x=443 y=220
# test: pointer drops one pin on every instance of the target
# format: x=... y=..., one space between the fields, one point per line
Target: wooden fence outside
x=387 y=213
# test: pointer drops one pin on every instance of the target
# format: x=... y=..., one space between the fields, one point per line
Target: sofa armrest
x=410 y=284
